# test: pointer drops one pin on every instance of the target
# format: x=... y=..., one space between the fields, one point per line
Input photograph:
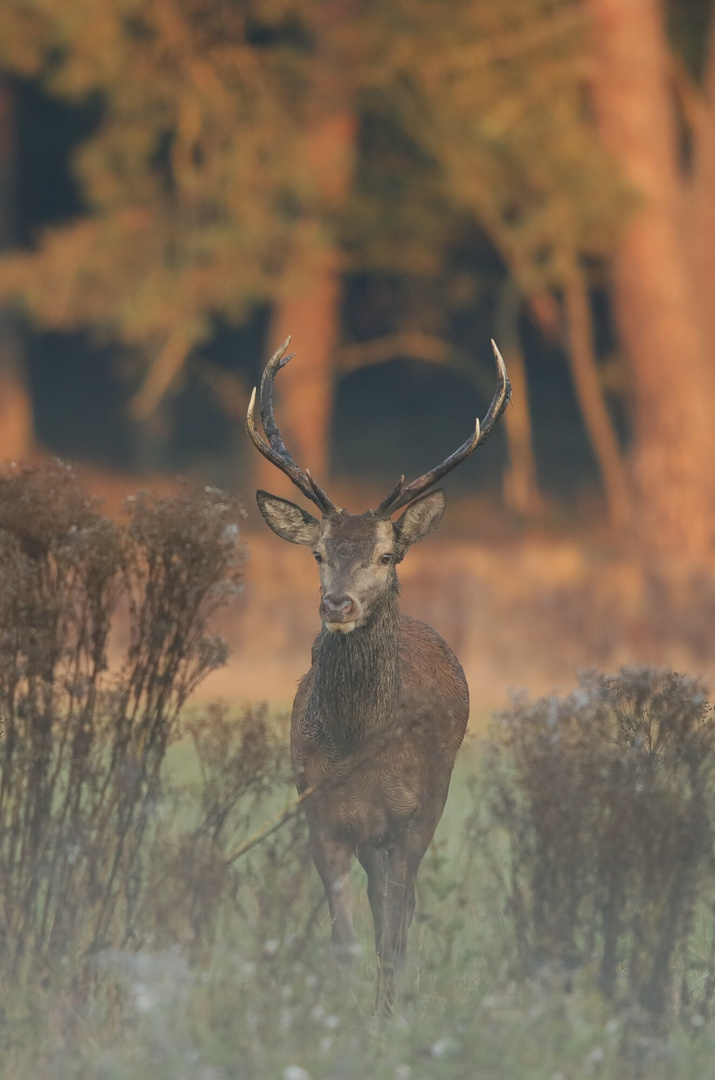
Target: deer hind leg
x=332 y=859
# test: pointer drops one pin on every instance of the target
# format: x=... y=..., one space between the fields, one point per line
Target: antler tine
x=404 y=494
x=274 y=365
x=275 y=449
x=391 y=497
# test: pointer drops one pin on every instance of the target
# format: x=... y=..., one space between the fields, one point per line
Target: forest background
x=182 y=184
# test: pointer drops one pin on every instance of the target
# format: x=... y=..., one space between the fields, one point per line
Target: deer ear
x=420 y=518
x=287 y=520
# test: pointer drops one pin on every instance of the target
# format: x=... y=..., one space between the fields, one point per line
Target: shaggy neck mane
x=358 y=683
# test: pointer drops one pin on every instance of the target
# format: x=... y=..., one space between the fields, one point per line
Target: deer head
x=356 y=553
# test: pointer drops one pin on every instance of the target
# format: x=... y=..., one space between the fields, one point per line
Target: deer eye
x=318 y=557
x=385 y=560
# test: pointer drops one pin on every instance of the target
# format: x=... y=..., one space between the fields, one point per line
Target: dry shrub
x=606 y=798
x=82 y=748
x=195 y=868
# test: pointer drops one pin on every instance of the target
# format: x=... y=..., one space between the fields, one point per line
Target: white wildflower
x=295 y=1072
x=443 y=1048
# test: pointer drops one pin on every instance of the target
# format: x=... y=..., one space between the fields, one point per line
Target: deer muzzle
x=339 y=613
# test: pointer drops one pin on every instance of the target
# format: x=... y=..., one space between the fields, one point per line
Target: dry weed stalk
x=82 y=747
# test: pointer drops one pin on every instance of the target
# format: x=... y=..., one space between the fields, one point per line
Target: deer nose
x=338 y=608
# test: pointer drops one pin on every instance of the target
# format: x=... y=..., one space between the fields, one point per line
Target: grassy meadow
x=230 y=976
x=159 y=914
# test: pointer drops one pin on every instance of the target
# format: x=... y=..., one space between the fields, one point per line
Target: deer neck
x=358 y=685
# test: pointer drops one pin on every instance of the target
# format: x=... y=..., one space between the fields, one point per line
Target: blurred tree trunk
x=653 y=281
x=310 y=309
x=700 y=202
x=310 y=313
x=589 y=393
x=16 y=428
x=521 y=492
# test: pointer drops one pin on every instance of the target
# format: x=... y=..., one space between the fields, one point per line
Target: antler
x=275 y=449
x=405 y=493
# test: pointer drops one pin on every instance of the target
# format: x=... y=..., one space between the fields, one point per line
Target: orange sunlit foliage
x=231 y=167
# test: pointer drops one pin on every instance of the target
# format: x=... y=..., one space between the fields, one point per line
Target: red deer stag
x=378 y=719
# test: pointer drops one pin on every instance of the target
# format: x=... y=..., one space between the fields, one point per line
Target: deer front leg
x=374 y=862
x=391 y=892
x=399 y=908
x=332 y=859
